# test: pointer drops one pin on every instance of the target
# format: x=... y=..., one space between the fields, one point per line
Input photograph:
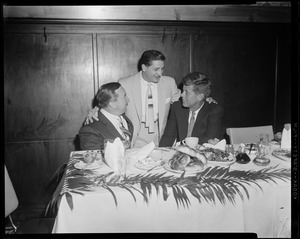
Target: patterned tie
x=126 y=132
x=149 y=111
x=191 y=124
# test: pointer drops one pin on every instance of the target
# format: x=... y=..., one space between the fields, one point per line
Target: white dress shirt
x=196 y=113
x=115 y=120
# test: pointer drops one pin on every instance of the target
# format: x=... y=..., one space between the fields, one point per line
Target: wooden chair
x=249 y=134
x=31 y=226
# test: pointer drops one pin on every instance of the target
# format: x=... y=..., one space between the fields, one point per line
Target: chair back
x=11 y=200
x=249 y=134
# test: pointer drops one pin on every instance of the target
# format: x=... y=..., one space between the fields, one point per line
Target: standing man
x=193 y=117
x=151 y=95
x=112 y=102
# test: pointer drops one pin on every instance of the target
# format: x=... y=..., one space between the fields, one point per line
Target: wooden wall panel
x=242 y=70
x=31 y=166
x=48 y=85
x=118 y=55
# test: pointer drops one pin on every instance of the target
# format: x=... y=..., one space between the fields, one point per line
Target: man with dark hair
x=151 y=95
x=112 y=101
x=194 y=116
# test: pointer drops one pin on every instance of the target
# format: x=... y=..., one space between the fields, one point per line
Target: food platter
x=284 y=154
x=187 y=169
x=155 y=158
x=147 y=163
x=81 y=165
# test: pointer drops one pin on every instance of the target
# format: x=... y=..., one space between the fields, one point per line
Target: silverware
x=160 y=164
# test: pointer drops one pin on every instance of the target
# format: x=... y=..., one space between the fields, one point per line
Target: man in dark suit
x=112 y=101
x=194 y=116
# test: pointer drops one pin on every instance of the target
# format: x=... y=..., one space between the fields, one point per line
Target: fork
x=160 y=164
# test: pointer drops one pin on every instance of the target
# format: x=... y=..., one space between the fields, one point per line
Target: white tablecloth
x=267 y=212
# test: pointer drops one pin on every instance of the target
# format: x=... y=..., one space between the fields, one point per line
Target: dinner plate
x=162 y=153
x=284 y=154
x=155 y=157
x=147 y=163
x=221 y=163
x=168 y=168
x=82 y=165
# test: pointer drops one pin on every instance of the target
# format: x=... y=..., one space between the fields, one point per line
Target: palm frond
x=214 y=183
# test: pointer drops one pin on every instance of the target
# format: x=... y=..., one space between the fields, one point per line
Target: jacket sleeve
x=90 y=139
x=170 y=133
x=175 y=91
x=214 y=123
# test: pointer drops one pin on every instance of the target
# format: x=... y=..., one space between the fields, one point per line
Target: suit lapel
x=129 y=124
x=161 y=97
x=202 y=113
x=104 y=122
x=136 y=94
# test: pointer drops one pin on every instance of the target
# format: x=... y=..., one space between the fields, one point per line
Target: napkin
x=113 y=153
x=220 y=145
x=143 y=152
x=286 y=139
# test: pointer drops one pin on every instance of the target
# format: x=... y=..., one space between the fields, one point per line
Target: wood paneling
x=231 y=13
x=31 y=166
x=118 y=55
x=242 y=70
x=48 y=85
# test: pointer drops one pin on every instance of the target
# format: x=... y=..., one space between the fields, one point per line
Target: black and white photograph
x=151 y=119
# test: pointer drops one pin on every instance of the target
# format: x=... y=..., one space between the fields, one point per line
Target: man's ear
x=144 y=67
x=201 y=96
x=112 y=104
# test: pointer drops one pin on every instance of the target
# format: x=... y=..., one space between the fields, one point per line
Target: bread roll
x=179 y=161
x=193 y=153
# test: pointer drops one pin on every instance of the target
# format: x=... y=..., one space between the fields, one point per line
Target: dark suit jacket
x=207 y=125
x=92 y=136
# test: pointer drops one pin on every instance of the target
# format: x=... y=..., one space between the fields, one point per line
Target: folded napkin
x=114 y=153
x=286 y=139
x=220 y=145
x=143 y=152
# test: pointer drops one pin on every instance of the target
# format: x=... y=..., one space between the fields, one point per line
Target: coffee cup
x=192 y=142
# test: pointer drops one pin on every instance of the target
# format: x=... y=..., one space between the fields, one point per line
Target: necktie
x=191 y=125
x=149 y=111
x=125 y=131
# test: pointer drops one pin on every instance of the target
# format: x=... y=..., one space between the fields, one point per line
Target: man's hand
x=93 y=114
x=213 y=141
x=211 y=100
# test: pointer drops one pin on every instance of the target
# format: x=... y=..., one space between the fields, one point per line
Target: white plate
x=155 y=158
x=82 y=165
x=168 y=168
x=281 y=154
x=162 y=153
x=220 y=163
x=147 y=163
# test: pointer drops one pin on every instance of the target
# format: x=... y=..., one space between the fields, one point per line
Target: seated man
x=194 y=116
x=112 y=102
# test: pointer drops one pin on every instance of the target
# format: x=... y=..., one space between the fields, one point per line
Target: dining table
x=223 y=197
